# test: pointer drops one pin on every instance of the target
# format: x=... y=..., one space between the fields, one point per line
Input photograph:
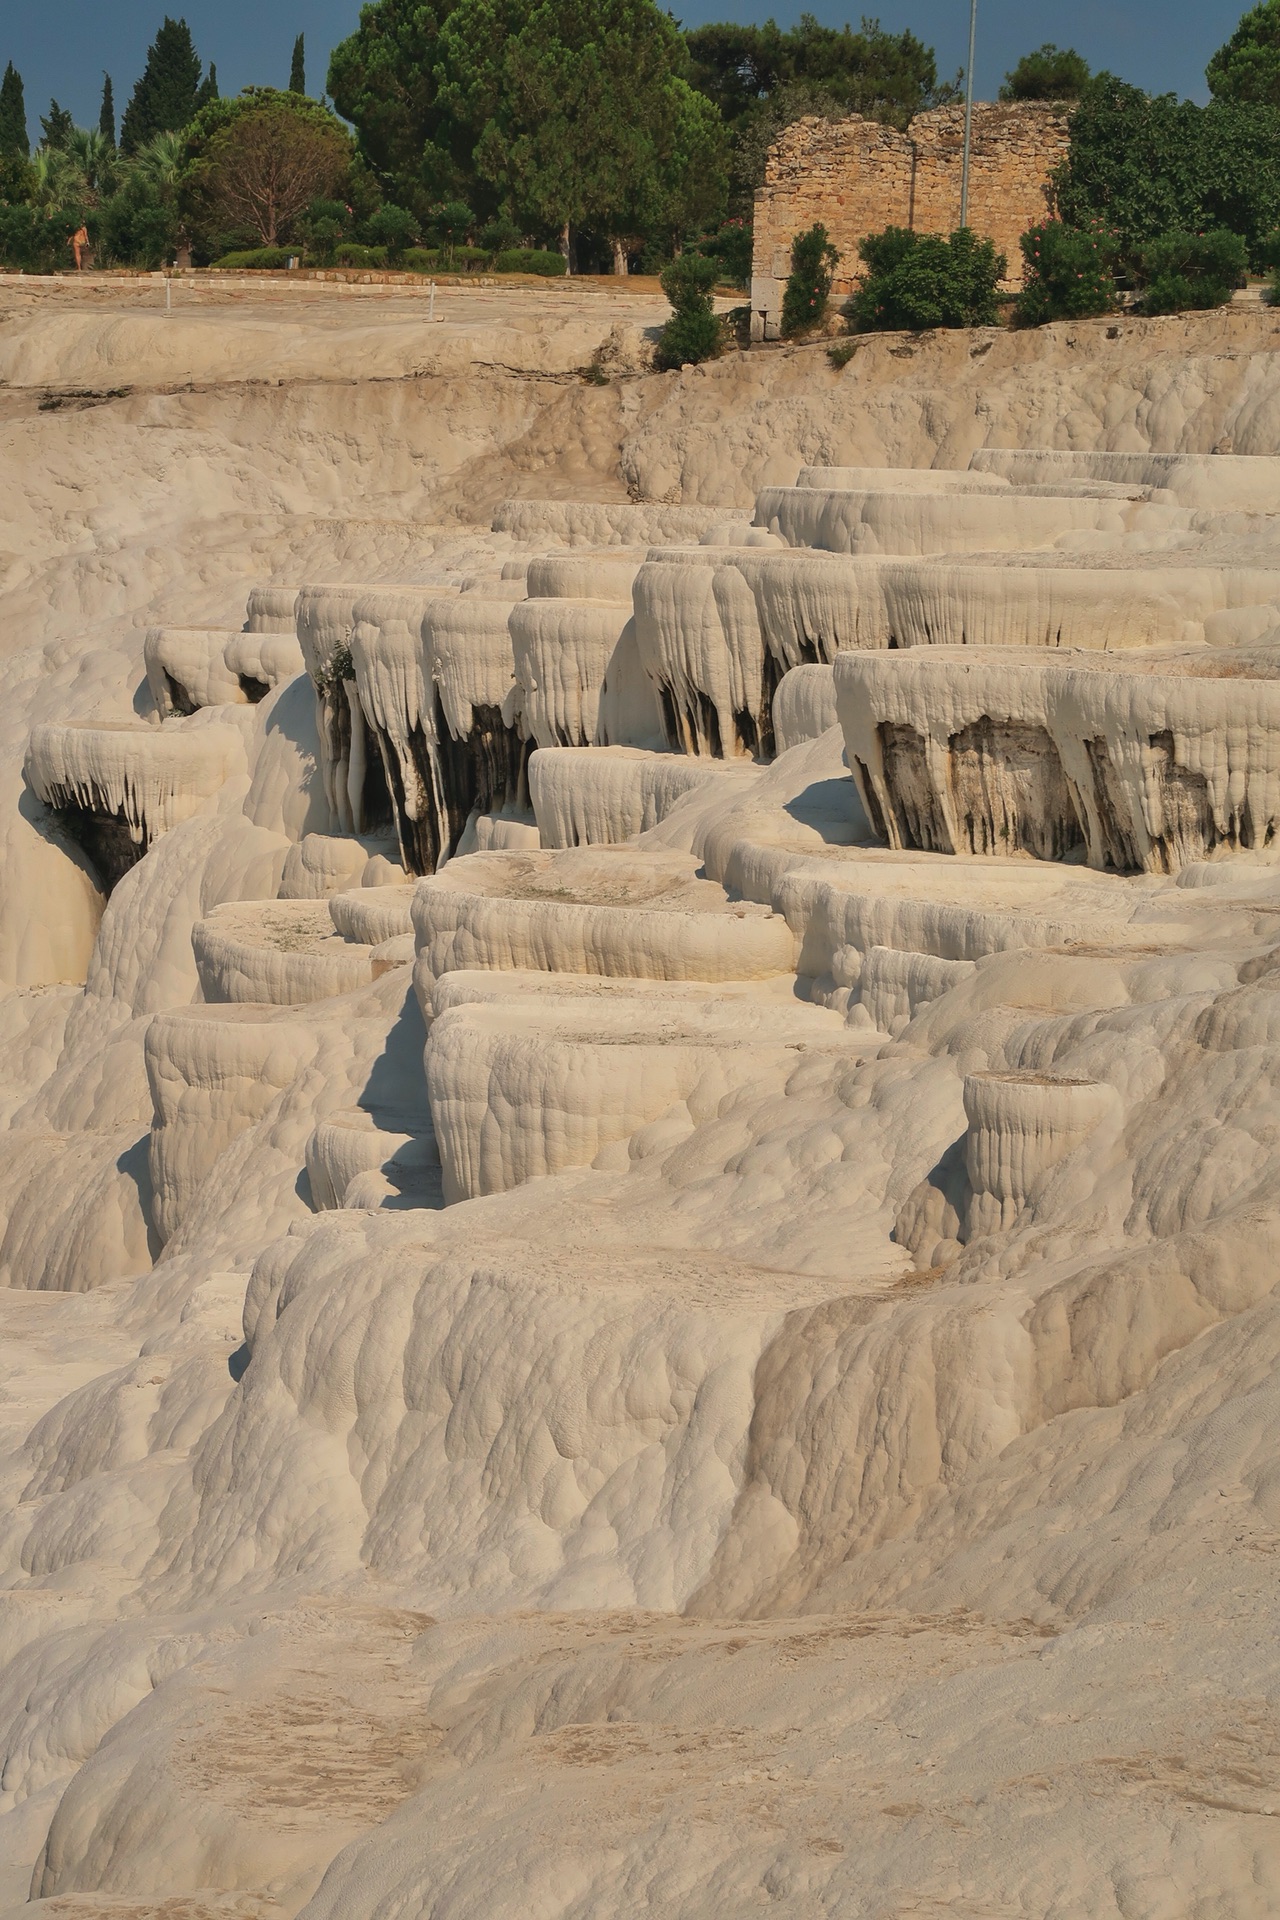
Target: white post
x=431 y=306
x=168 y=294
x=968 y=116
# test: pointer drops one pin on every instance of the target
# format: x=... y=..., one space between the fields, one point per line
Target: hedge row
x=412 y=260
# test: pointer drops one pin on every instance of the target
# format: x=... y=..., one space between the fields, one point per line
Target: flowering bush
x=1068 y=272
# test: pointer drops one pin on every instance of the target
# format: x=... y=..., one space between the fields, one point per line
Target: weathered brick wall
x=858 y=177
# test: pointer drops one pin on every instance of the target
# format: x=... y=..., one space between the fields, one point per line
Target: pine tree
x=208 y=88
x=55 y=128
x=107 y=114
x=298 y=67
x=14 y=143
x=164 y=100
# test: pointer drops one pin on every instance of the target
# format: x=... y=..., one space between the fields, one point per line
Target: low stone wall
x=858 y=177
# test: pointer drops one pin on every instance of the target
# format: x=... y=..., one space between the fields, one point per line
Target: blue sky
x=61 y=47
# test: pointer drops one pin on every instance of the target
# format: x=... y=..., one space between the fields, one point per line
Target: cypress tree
x=14 y=144
x=164 y=100
x=208 y=87
x=56 y=128
x=107 y=114
x=298 y=67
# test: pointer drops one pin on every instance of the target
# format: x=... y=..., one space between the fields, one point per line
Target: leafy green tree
x=207 y=91
x=590 y=121
x=14 y=140
x=885 y=76
x=693 y=333
x=56 y=127
x=298 y=66
x=384 y=80
x=1068 y=272
x=107 y=112
x=763 y=79
x=917 y=280
x=165 y=98
x=1148 y=165
x=257 y=162
x=1247 y=68
x=807 y=294
x=693 y=173
x=1050 y=73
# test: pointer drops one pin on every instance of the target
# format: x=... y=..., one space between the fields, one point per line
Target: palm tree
x=163 y=159
x=94 y=155
x=57 y=182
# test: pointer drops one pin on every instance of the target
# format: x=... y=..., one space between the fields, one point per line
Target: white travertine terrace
x=187 y=669
x=211 y=1071
x=1218 y=481
x=1020 y=1126
x=518 y=1093
x=863 y=521
x=1148 y=765
x=563 y=652
x=641 y=1257
x=579 y=524
x=276 y=953
x=594 y=910
x=271 y=610
x=804 y=707
x=601 y=795
x=357 y=1158
x=699 y=641
x=262 y=660
x=574 y=575
x=123 y=784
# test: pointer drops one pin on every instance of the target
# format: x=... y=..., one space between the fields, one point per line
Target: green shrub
x=35 y=241
x=1189 y=271
x=1069 y=273
x=500 y=235
x=466 y=259
x=351 y=255
x=451 y=222
x=323 y=227
x=421 y=260
x=693 y=332
x=530 y=260
x=919 y=280
x=807 y=293
x=251 y=257
x=392 y=228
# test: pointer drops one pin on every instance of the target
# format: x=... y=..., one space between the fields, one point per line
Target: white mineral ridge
x=638 y=1215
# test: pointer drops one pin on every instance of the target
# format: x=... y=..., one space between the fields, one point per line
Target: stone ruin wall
x=858 y=177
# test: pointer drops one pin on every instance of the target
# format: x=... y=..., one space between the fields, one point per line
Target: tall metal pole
x=968 y=115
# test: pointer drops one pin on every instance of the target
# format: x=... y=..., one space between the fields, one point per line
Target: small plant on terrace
x=693 y=333
x=807 y=294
